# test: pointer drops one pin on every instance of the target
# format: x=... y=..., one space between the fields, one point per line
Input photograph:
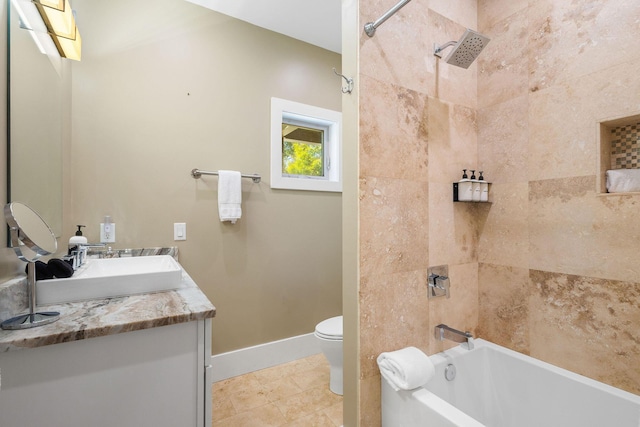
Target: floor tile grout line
x=292 y=370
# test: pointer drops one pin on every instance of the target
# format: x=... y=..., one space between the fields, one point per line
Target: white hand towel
x=229 y=196
x=406 y=369
x=623 y=180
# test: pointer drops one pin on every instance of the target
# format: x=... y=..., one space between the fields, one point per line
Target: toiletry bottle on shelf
x=475 y=187
x=484 y=189
x=465 y=188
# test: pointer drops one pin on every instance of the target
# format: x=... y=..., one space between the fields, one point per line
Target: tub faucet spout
x=444 y=332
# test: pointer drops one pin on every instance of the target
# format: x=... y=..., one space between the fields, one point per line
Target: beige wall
x=549 y=268
x=559 y=275
x=192 y=90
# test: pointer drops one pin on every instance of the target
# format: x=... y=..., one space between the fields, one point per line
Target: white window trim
x=310 y=115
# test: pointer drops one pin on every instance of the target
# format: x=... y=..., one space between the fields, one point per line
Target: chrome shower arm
x=437 y=49
x=370 y=27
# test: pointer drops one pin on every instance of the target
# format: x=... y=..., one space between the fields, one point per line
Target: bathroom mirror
x=36 y=98
x=31 y=237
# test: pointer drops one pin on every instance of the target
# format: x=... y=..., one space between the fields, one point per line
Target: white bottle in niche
x=465 y=188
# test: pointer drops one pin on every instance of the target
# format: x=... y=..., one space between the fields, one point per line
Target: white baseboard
x=249 y=359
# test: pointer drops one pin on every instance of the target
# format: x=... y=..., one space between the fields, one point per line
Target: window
x=305 y=147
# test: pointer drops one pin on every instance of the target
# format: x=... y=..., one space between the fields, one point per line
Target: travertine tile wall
x=550 y=268
x=418 y=130
x=559 y=273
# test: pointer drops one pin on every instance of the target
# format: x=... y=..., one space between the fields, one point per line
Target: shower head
x=465 y=50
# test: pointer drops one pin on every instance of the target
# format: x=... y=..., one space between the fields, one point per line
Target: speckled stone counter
x=100 y=317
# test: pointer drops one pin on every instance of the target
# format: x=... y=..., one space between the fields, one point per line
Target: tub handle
x=438 y=286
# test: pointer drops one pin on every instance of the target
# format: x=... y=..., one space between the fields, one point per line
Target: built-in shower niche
x=619 y=141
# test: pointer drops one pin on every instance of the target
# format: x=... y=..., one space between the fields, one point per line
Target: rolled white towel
x=623 y=180
x=406 y=369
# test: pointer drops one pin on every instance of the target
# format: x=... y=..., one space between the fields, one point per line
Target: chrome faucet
x=87 y=246
x=78 y=256
x=444 y=332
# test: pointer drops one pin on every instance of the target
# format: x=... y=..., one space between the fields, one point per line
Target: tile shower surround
x=549 y=256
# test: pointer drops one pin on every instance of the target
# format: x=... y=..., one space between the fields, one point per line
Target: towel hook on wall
x=349 y=81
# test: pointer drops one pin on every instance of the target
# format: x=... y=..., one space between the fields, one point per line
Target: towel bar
x=197 y=173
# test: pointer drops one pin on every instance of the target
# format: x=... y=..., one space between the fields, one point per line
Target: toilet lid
x=330 y=328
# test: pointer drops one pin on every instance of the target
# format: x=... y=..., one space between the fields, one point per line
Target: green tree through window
x=302 y=151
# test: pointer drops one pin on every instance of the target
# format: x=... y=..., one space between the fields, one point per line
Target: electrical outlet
x=180 y=231
x=107 y=232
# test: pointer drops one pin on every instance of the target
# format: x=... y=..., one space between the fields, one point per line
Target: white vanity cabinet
x=151 y=377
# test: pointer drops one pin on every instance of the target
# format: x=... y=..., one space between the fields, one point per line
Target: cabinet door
x=204 y=348
x=142 y=378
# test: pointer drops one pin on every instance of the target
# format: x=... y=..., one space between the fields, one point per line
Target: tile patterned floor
x=295 y=394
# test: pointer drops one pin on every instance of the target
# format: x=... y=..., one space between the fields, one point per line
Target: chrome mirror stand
x=32 y=319
x=31 y=238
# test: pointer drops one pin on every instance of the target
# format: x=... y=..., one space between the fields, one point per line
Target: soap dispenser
x=75 y=252
x=465 y=189
x=484 y=188
x=77 y=240
x=475 y=187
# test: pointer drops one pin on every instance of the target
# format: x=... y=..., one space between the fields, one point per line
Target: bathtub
x=498 y=387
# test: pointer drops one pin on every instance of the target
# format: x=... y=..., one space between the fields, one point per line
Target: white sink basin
x=112 y=277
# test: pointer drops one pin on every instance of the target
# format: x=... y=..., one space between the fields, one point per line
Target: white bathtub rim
x=479 y=343
x=445 y=409
x=448 y=414
x=441 y=413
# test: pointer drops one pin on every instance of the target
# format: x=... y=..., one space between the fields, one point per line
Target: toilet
x=329 y=332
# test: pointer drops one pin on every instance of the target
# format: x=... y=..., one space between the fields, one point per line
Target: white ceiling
x=317 y=22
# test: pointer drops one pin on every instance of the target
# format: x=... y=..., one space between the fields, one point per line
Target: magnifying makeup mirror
x=31 y=238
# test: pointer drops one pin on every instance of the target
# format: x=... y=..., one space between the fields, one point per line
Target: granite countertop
x=109 y=316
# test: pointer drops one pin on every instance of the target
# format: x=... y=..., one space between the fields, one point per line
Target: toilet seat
x=330 y=329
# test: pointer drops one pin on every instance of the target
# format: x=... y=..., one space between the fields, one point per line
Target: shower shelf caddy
x=456 y=198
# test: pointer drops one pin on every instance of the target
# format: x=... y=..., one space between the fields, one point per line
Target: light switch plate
x=180 y=231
